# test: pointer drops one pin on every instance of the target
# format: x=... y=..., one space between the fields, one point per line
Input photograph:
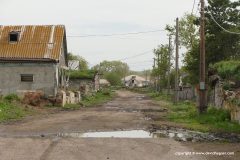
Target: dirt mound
x=36 y=99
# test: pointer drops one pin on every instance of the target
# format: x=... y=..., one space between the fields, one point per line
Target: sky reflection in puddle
x=114 y=134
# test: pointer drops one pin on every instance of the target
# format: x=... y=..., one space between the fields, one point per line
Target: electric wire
x=193 y=6
x=117 y=34
x=140 y=62
x=150 y=65
x=238 y=33
x=136 y=55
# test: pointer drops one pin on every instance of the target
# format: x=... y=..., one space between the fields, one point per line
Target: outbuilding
x=32 y=58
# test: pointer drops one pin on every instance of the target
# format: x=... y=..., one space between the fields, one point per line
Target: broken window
x=26 y=77
x=13 y=37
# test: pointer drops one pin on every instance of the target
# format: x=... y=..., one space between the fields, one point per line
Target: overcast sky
x=103 y=17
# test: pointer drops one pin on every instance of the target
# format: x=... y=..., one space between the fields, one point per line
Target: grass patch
x=101 y=96
x=213 y=120
x=186 y=113
x=72 y=106
x=82 y=74
x=10 y=111
x=11 y=97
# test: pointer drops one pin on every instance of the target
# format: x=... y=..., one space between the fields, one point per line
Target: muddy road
x=63 y=135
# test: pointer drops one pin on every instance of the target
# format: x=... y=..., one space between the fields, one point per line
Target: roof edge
x=27 y=60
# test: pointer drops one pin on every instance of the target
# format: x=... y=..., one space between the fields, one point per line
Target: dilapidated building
x=32 y=58
x=134 y=81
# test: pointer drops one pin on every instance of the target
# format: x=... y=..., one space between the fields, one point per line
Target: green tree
x=83 y=64
x=114 y=78
x=109 y=68
x=161 y=56
x=220 y=44
x=189 y=38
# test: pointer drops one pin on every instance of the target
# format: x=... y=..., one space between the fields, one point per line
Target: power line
x=117 y=34
x=135 y=65
x=198 y=8
x=220 y=25
x=136 y=55
x=141 y=62
x=193 y=6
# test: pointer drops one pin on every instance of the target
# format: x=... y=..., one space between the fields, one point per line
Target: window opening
x=26 y=78
x=13 y=36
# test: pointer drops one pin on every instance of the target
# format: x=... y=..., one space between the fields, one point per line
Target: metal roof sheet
x=34 y=42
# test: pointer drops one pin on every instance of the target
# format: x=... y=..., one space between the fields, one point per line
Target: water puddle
x=138 y=97
x=186 y=135
x=181 y=135
x=113 y=134
x=111 y=107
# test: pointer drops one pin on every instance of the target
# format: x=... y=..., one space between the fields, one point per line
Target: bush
x=11 y=97
x=227 y=69
x=226 y=86
x=82 y=74
x=106 y=93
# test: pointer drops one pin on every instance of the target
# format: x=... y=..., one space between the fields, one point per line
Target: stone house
x=32 y=58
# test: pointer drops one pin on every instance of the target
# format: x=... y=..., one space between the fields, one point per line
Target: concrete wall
x=10 y=78
x=62 y=60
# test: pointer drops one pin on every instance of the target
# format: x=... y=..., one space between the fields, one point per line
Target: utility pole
x=176 y=67
x=154 y=66
x=125 y=74
x=169 y=67
x=158 y=76
x=146 y=78
x=202 y=100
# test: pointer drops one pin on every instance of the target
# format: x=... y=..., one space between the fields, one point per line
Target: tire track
x=49 y=150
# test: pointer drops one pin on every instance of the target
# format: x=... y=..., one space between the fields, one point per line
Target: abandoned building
x=134 y=81
x=104 y=83
x=32 y=58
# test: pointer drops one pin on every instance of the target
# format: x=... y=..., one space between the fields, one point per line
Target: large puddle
x=113 y=134
x=183 y=135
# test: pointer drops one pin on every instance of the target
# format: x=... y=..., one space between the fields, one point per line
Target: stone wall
x=226 y=99
x=218 y=95
x=86 y=86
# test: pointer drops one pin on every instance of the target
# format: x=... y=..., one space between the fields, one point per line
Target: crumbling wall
x=85 y=86
x=218 y=95
x=226 y=99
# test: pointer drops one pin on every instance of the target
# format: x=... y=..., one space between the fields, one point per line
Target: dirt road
x=42 y=137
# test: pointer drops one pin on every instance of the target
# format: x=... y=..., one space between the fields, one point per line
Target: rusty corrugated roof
x=35 y=42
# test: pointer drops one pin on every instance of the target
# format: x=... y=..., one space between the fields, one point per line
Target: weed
x=9 y=111
x=78 y=105
x=100 y=97
x=186 y=112
x=11 y=97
